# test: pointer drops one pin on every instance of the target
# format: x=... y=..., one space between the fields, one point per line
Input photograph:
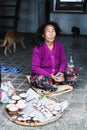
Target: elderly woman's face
x=49 y=33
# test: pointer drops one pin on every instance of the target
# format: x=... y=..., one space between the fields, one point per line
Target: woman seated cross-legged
x=48 y=59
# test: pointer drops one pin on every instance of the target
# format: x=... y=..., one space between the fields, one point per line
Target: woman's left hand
x=60 y=77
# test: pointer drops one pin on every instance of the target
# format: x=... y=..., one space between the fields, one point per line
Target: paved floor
x=75 y=117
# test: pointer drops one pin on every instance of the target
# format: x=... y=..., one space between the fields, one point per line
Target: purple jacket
x=46 y=62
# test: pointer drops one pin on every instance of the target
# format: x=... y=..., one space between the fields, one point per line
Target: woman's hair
x=38 y=35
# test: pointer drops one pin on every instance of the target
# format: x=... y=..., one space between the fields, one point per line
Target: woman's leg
x=43 y=82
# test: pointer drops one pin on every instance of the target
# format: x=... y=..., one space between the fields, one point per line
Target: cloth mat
x=9 y=69
x=61 y=89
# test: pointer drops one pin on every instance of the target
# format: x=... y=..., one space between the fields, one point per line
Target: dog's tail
x=2 y=44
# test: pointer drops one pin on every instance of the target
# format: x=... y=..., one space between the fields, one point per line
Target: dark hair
x=38 y=35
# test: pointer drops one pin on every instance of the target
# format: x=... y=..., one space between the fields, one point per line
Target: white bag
x=6 y=90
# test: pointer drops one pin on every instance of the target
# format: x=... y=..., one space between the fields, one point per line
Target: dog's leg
x=9 y=50
x=14 y=47
x=22 y=43
x=5 y=51
x=8 y=46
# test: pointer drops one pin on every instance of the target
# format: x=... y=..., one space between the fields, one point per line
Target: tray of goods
x=30 y=109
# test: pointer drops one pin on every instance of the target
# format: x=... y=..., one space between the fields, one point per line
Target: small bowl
x=21 y=101
x=10 y=105
x=21 y=106
x=16 y=97
x=23 y=95
x=13 y=110
x=12 y=101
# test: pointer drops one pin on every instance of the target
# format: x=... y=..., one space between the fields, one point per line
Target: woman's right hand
x=56 y=79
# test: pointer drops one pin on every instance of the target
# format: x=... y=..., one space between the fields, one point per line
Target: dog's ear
x=75 y=29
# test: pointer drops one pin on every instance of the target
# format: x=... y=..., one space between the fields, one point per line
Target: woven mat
x=61 y=89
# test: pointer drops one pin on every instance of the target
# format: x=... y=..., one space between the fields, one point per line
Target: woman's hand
x=54 y=77
x=59 y=77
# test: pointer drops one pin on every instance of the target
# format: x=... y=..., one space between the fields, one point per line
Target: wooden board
x=61 y=89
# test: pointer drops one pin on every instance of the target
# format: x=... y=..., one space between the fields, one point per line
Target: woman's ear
x=42 y=35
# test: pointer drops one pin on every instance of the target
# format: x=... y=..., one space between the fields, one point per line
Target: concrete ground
x=75 y=116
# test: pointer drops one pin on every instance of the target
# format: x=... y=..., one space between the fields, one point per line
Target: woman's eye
x=53 y=31
x=47 y=31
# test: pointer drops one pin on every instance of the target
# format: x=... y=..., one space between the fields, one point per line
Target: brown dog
x=11 y=38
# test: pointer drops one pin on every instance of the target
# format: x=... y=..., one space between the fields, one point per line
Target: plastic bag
x=6 y=90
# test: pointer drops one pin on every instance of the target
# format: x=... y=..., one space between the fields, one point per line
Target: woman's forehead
x=49 y=27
